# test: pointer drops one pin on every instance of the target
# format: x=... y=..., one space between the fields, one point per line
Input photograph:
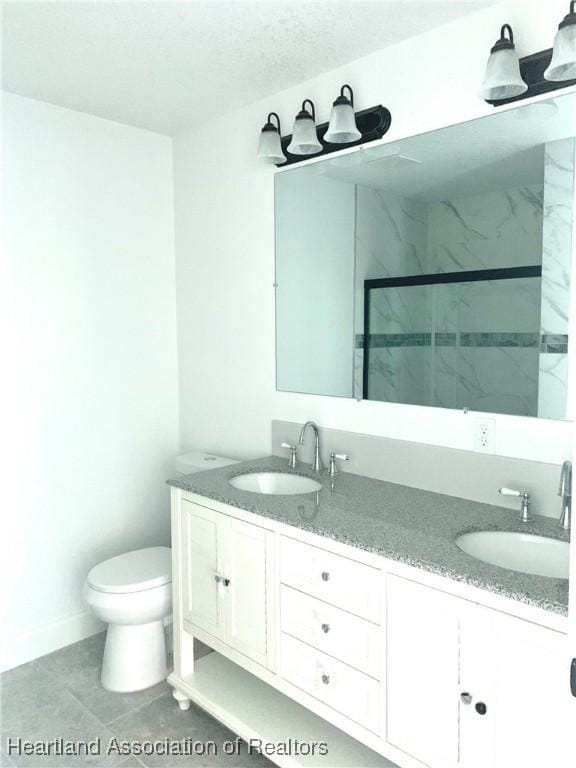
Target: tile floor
x=60 y=696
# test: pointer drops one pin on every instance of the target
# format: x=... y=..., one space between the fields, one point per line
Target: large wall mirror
x=435 y=270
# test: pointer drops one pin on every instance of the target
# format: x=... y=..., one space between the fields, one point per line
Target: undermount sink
x=279 y=483
x=522 y=552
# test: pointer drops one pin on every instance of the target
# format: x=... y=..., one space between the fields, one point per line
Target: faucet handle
x=292 y=448
x=511 y=492
x=333 y=469
x=525 y=515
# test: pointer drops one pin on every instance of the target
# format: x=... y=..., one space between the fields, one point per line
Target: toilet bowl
x=132 y=593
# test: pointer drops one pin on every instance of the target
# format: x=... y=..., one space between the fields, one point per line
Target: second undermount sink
x=522 y=552
x=279 y=483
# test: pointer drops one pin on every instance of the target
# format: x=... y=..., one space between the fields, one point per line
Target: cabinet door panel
x=520 y=672
x=477 y=680
x=535 y=718
x=246 y=609
x=201 y=544
x=423 y=672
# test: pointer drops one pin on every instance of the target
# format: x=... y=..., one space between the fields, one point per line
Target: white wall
x=225 y=245
x=90 y=337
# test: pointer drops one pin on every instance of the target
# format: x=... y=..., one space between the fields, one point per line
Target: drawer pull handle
x=325 y=575
x=325 y=628
x=325 y=679
x=465 y=698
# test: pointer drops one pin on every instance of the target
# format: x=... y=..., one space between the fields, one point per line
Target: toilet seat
x=135 y=571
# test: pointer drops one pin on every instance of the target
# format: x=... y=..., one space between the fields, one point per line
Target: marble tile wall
x=400 y=237
x=391 y=239
x=502 y=228
x=559 y=168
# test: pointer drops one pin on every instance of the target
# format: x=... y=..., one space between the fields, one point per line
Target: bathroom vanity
x=349 y=616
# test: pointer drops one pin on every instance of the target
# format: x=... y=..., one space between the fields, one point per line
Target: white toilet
x=132 y=593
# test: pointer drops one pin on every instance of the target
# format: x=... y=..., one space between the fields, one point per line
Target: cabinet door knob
x=481 y=708
x=325 y=679
x=217 y=578
x=325 y=628
x=465 y=698
x=226 y=582
x=325 y=575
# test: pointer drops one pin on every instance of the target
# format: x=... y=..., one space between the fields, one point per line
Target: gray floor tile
x=75 y=657
x=106 y=705
x=60 y=696
x=35 y=708
x=201 y=650
x=78 y=666
x=161 y=719
x=5 y=761
x=21 y=688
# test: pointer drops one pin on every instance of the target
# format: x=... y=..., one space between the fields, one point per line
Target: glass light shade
x=502 y=79
x=563 y=63
x=342 y=128
x=304 y=138
x=270 y=148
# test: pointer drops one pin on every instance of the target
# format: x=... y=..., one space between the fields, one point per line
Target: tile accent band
x=548 y=343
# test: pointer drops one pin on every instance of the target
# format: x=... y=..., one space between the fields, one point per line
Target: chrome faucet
x=525 y=514
x=317 y=461
x=565 y=490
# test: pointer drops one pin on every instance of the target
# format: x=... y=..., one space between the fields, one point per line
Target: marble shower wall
x=559 y=168
x=391 y=235
x=501 y=228
x=457 y=365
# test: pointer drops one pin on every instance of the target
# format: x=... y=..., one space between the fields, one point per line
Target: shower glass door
x=455 y=340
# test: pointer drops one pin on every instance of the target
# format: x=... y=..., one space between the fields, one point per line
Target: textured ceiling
x=167 y=66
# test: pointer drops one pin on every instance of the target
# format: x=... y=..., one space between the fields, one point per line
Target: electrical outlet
x=485 y=435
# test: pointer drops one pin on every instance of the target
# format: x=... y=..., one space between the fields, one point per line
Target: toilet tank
x=198 y=461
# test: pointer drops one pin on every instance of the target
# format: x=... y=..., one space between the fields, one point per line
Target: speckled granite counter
x=401 y=523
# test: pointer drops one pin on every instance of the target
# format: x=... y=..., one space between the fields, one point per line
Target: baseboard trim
x=26 y=647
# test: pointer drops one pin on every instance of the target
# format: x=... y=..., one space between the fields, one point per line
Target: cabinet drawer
x=346 y=690
x=345 y=583
x=346 y=637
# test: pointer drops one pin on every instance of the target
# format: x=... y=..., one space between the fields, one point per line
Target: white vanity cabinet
x=473 y=687
x=316 y=640
x=226 y=566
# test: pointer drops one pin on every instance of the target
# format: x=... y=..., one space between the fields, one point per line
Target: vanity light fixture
x=563 y=63
x=345 y=128
x=342 y=128
x=511 y=79
x=270 y=144
x=304 y=135
x=503 y=79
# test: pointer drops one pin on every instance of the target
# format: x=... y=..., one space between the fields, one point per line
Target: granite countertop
x=400 y=523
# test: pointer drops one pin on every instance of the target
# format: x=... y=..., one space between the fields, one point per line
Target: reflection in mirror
x=434 y=271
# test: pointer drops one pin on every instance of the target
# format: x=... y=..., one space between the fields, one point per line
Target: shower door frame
x=436 y=278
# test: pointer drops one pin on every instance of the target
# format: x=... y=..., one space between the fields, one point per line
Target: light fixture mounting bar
x=372 y=123
x=532 y=69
